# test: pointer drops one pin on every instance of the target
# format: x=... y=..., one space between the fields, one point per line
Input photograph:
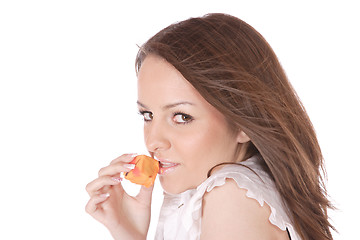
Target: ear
x=242 y=137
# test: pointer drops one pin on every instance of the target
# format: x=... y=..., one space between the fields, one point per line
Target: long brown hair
x=235 y=70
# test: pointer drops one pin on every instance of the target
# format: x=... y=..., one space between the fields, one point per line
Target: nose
x=157 y=136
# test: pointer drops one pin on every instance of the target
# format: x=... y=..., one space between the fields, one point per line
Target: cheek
x=202 y=142
x=191 y=139
x=210 y=144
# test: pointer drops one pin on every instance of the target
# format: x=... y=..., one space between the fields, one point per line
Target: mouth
x=166 y=166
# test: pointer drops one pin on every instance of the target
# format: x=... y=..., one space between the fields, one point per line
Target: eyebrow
x=168 y=106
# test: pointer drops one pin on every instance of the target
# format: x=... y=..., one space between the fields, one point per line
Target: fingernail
x=117 y=179
x=105 y=195
x=129 y=166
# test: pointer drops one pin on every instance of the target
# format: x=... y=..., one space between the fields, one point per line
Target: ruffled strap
x=259 y=187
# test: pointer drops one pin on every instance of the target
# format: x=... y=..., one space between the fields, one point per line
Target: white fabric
x=180 y=215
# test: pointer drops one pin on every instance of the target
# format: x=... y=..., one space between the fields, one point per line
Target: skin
x=240 y=218
x=179 y=127
x=126 y=217
x=197 y=139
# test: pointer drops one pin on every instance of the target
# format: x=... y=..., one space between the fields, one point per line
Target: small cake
x=145 y=171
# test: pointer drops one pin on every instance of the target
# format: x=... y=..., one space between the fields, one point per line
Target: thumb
x=145 y=194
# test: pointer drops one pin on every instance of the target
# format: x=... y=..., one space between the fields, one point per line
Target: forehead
x=155 y=70
x=158 y=79
x=160 y=84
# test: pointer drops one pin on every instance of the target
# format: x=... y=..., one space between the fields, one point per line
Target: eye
x=182 y=118
x=148 y=116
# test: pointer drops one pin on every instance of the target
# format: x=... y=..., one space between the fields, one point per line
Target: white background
x=68 y=94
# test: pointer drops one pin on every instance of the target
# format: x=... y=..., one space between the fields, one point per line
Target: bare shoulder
x=229 y=214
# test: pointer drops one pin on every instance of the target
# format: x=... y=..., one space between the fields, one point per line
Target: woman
x=238 y=154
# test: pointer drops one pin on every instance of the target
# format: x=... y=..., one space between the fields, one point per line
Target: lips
x=166 y=166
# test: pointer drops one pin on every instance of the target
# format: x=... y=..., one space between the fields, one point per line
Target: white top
x=180 y=215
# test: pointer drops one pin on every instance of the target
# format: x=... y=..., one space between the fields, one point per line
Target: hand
x=125 y=216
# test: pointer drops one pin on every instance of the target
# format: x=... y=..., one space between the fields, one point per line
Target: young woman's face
x=181 y=129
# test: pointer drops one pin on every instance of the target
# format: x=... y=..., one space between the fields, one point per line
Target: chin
x=170 y=188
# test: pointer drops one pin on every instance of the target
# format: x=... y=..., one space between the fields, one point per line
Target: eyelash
x=174 y=115
x=185 y=115
x=142 y=113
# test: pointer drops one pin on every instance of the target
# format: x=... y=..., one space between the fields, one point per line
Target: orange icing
x=145 y=171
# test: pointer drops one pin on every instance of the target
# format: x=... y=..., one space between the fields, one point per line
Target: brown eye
x=148 y=116
x=182 y=118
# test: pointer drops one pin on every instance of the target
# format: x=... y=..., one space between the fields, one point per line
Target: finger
x=116 y=168
x=93 y=187
x=92 y=204
x=124 y=158
x=145 y=195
